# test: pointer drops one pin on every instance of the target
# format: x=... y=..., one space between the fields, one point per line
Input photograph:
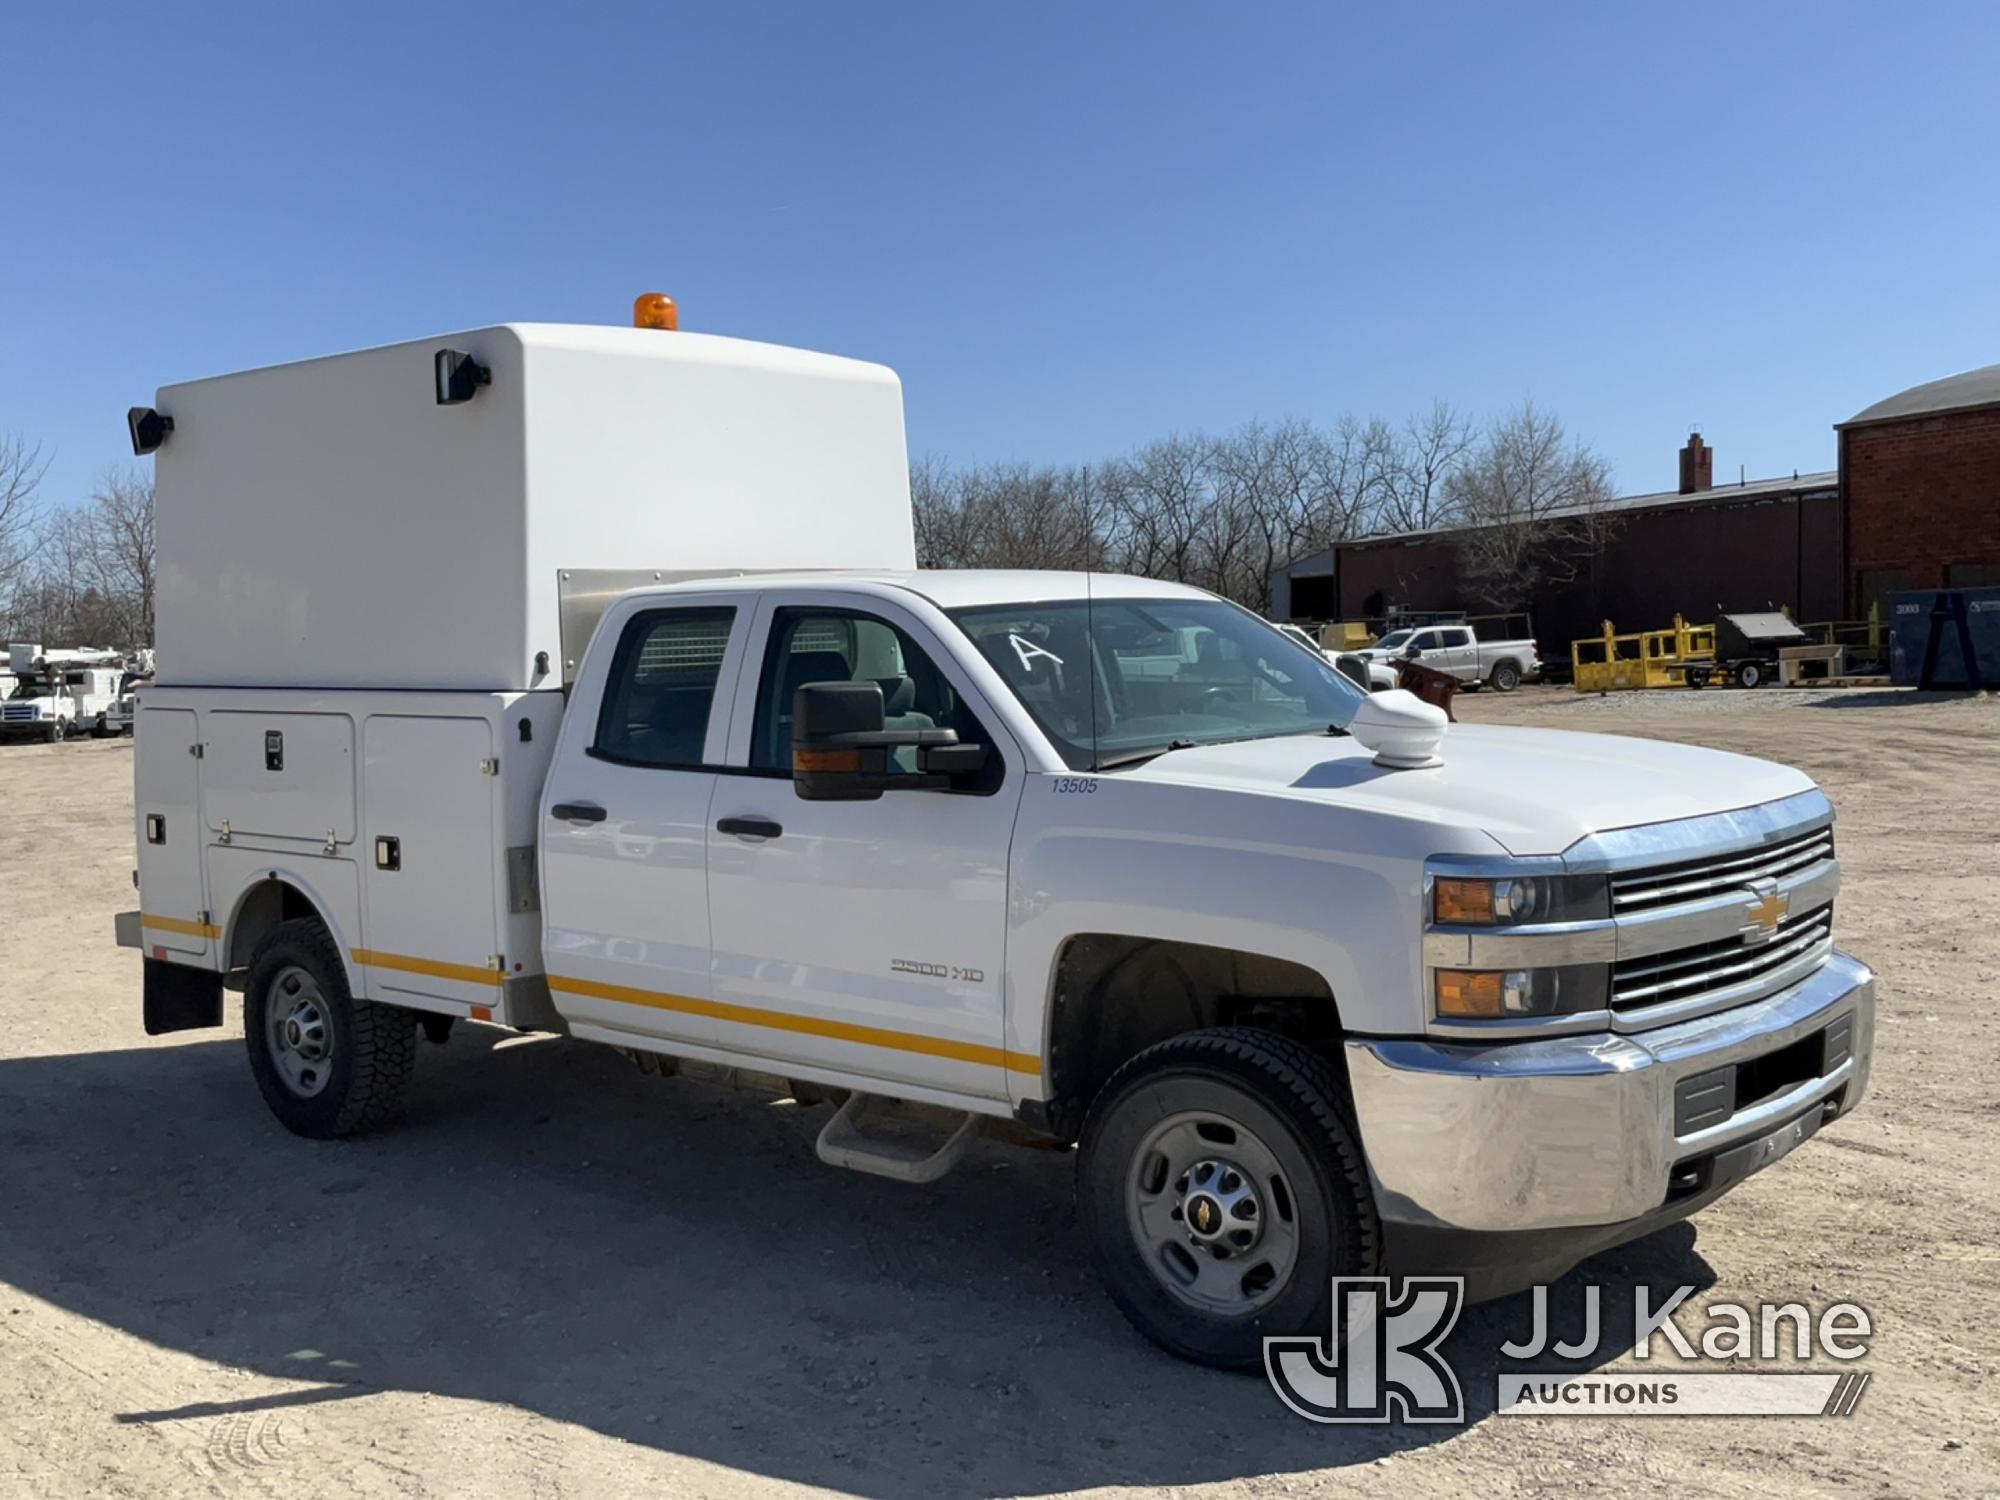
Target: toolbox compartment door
x=167 y=792
x=279 y=775
x=432 y=880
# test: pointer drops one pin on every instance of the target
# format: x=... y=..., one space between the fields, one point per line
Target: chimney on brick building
x=1697 y=465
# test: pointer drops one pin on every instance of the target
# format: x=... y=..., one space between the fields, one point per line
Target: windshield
x=29 y=687
x=1112 y=680
x=1394 y=639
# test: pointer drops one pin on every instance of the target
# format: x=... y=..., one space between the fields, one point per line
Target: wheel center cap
x=293 y=1034
x=1204 y=1215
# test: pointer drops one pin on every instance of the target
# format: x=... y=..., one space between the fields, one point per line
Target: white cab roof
x=958 y=588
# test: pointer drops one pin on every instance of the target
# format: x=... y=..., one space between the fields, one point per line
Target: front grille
x=1691 y=973
x=1690 y=880
x=19 y=711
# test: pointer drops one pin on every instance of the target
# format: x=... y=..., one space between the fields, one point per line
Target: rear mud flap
x=180 y=998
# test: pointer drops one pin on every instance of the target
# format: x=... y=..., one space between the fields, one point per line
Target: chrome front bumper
x=1604 y=1128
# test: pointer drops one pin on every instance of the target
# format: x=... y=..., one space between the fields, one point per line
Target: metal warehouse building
x=1915 y=503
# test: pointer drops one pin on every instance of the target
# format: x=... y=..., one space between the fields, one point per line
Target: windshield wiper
x=1135 y=757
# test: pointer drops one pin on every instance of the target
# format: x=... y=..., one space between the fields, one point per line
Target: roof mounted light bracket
x=459 y=377
x=149 y=429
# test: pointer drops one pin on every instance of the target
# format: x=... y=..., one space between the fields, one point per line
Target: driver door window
x=820 y=645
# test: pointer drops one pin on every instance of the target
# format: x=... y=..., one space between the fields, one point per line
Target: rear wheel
x=1222 y=1186
x=326 y=1063
x=1749 y=674
x=1506 y=677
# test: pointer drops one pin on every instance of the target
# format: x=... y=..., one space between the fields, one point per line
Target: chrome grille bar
x=1713 y=966
x=1663 y=885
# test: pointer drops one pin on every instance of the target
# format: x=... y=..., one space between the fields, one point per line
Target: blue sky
x=1071 y=228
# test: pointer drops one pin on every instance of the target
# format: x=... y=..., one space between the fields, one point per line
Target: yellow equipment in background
x=1610 y=663
x=1346 y=635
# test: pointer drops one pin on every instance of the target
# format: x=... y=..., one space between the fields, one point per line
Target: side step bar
x=842 y=1144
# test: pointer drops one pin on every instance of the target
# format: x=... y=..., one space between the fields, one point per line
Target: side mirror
x=1412 y=651
x=840 y=751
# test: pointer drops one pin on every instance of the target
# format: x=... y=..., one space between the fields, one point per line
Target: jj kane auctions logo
x=1382 y=1361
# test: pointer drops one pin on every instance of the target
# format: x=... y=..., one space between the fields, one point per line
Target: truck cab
x=698 y=765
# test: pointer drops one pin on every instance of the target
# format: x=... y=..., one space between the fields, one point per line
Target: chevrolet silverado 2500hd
x=580 y=680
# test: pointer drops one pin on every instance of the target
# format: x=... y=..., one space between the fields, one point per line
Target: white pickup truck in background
x=1502 y=665
x=692 y=762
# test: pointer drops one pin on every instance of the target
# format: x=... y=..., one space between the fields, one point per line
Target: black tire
x=1505 y=677
x=372 y=1051
x=1285 y=1097
x=1750 y=674
x=57 y=730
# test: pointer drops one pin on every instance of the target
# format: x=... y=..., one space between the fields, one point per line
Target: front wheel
x=326 y=1063
x=1222 y=1185
x=1506 y=677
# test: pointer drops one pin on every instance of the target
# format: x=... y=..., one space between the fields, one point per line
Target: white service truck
x=580 y=680
x=60 y=693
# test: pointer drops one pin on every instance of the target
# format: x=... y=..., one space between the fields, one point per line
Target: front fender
x=1332 y=889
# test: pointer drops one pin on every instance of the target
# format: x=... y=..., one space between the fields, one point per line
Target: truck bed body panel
x=448 y=775
x=173 y=898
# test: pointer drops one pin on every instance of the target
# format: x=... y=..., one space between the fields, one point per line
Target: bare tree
x=121 y=555
x=1432 y=447
x=21 y=471
x=937 y=510
x=1533 y=505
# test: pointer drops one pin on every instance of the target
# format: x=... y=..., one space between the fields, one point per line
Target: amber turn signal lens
x=811 y=761
x=1469 y=994
x=1466 y=901
x=655 y=310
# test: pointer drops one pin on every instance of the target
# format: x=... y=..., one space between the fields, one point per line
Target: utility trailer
x=1748 y=647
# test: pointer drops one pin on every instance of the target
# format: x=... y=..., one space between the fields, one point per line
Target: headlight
x=1510 y=900
x=1511 y=994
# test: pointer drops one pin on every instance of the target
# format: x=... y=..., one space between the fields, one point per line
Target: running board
x=842 y=1144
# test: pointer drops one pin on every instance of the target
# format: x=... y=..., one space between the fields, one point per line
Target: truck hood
x=1534 y=791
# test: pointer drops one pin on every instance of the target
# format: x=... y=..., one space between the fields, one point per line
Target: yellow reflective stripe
x=180 y=925
x=466 y=973
x=778 y=1020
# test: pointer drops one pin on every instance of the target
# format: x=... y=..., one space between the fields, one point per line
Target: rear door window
x=662 y=687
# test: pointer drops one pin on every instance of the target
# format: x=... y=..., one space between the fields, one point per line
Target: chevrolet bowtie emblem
x=1768 y=911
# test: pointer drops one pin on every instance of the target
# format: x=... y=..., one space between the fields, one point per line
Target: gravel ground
x=561 y=1278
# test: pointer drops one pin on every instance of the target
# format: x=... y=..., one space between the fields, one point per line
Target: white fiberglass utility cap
x=409 y=516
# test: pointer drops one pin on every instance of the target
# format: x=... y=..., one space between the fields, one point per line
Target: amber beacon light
x=655 y=310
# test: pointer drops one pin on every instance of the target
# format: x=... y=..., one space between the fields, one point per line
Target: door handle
x=756 y=828
x=578 y=812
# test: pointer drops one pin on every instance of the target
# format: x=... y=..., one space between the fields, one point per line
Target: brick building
x=1915 y=503
x=1694 y=551
x=1921 y=476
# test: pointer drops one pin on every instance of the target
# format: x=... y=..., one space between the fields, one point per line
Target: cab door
x=865 y=938
x=1458 y=655
x=624 y=820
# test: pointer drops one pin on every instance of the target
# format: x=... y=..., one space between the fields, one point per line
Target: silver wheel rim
x=298 y=1032
x=1213 y=1213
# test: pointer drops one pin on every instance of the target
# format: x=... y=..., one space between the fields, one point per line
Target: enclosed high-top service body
x=580 y=680
x=370 y=602
x=329 y=524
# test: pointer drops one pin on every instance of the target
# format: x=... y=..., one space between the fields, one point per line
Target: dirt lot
x=561 y=1278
